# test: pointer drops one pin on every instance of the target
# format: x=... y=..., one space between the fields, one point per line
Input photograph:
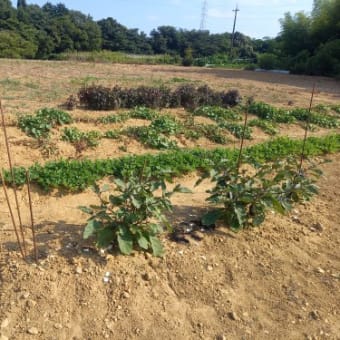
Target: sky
x=256 y=18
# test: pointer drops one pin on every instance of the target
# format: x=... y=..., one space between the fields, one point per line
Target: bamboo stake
x=12 y=216
x=306 y=129
x=36 y=255
x=243 y=134
x=13 y=178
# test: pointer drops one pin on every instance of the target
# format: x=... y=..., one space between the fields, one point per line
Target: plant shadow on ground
x=186 y=221
x=66 y=240
x=58 y=238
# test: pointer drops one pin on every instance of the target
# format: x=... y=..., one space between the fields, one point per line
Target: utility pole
x=204 y=15
x=233 y=34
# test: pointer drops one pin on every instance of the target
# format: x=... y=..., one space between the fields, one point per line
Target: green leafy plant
x=243 y=196
x=40 y=124
x=267 y=126
x=81 y=140
x=132 y=216
x=151 y=137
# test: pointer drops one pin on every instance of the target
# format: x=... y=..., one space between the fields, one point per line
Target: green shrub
x=133 y=216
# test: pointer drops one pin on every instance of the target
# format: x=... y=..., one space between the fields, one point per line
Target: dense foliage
x=242 y=196
x=132 y=215
x=31 y=31
x=97 y=97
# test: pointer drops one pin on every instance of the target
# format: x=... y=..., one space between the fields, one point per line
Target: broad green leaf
x=278 y=207
x=156 y=245
x=183 y=190
x=135 y=202
x=120 y=183
x=105 y=237
x=125 y=244
x=259 y=218
x=91 y=228
x=86 y=210
x=210 y=218
x=143 y=241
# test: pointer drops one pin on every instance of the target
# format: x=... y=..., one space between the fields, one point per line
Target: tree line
x=307 y=43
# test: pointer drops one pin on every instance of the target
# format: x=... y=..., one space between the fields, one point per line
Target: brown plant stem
x=36 y=255
x=306 y=129
x=242 y=140
x=13 y=178
x=11 y=213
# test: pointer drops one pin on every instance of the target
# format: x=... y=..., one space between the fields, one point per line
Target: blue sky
x=257 y=18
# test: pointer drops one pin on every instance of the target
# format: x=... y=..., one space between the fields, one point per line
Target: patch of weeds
x=112 y=134
x=79 y=139
x=40 y=124
x=10 y=84
x=267 y=126
x=151 y=137
x=217 y=113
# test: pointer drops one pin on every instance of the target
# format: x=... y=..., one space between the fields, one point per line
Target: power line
x=204 y=15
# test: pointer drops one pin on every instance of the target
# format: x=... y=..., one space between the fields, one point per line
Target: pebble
x=126 y=295
x=314 y=315
x=33 y=331
x=31 y=303
x=318 y=227
x=221 y=337
x=58 y=326
x=4 y=323
x=320 y=270
x=79 y=270
x=233 y=316
x=210 y=268
x=146 y=277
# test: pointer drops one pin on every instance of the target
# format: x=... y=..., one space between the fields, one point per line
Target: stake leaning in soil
x=306 y=129
x=36 y=255
x=13 y=177
x=12 y=216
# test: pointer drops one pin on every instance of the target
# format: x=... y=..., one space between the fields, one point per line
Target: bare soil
x=280 y=281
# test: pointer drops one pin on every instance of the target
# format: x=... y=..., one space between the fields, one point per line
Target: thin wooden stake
x=239 y=160
x=13 y=178
x=36 y=255
x=12 y=216
x=306 y=129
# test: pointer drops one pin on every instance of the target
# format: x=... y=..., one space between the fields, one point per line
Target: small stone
x=210 y=268
x=320 y=270
x=4 y=323
x=79 y=270
x=233 y=316
x=314 y=315
x=295 y=219
x=318 y=226
x=146 y=277
x=126 y=295
x=31 y=303
x=221 y=337
x=33 y=331
x=25 y=295
x=58 y=326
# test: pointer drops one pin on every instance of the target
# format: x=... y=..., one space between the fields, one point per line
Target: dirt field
x=280 y=281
